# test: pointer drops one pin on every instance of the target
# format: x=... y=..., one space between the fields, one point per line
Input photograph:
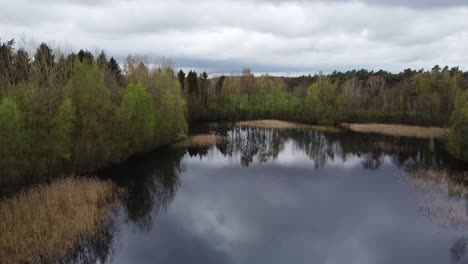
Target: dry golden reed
x=278 y=124
x=398 y=130
x=50 y=221
x=204 y=140
x=270 y=124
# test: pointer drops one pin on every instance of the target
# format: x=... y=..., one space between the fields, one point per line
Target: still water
x=289 y=196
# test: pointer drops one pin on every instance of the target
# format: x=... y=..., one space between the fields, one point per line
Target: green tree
x=136 y=119
x=313 y=104
x=63 y=124
x=101 y=60
x=171 y=115
x=458 y=132
x=428 y=101
x=12 y=141
x=328 y=95
x=92 y=101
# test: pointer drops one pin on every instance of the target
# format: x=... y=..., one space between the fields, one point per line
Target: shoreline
x=397 y=130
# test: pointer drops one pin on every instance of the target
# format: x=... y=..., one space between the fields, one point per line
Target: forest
x=74 y=113
x=64 y=113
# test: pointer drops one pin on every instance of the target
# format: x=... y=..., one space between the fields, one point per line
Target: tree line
x=73 y=112
x=436 y=97
x=64 y=113
x=410 y=97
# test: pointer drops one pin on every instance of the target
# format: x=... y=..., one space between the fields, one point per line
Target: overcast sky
x=282 y=36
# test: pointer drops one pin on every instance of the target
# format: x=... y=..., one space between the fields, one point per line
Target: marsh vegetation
x=399 y=130
x=203 y=140
x=49 y=222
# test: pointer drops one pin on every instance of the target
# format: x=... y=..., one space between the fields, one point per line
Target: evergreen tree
x=115 y=69
x=22 y=66
x=85 y=56
x=219 y=84
x=204 y=89
x=192 y=83
x=6 y=62
x=102 y=60
x=43 y=64
x=181 y=78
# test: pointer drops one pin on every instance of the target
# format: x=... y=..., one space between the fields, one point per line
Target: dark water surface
x=288 y=196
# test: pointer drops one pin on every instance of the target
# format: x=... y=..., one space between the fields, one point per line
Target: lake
x=289 y=196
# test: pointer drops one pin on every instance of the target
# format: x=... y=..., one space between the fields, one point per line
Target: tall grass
x=46 y=223
x=202 y=140
x=278 y=124
x=398 y=130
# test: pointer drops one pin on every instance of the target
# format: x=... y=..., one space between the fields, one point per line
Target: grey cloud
x=268 y=36
x=404 y=3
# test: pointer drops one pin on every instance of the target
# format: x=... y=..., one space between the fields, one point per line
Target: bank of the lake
x=199 y=140
x=398 y=130
x=281 y=124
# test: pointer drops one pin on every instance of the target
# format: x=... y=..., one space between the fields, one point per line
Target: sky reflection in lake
x=271 y=196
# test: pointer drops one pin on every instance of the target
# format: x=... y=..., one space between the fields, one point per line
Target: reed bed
x=48 y=222
x=202 y=140
x=270 y=124
x=398 y=130
x=278 y=124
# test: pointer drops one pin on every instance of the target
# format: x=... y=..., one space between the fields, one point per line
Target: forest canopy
x=64 y=112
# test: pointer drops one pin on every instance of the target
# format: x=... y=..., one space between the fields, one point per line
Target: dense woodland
x=437 y=97
x=411 y=97
x=75 y=112
x=65 y=113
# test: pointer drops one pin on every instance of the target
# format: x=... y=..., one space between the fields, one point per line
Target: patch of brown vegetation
x=49 y=221
x=270 y=124
x=398 y=130
x=203 y=140
x=278 y=124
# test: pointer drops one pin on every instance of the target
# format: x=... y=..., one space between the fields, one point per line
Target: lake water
x=289 y=196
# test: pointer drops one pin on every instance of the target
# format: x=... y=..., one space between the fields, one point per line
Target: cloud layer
x=268 y=36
